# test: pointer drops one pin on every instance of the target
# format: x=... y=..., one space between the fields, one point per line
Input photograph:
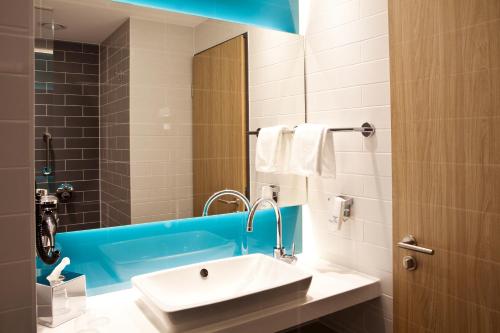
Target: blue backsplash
x=109 y=257
x=275 y=14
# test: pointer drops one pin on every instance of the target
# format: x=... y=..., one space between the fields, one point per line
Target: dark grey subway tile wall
x=115 y=128
x=17 y=219
x=67 y=106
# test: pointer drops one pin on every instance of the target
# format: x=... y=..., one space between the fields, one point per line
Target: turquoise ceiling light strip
x=275 y=14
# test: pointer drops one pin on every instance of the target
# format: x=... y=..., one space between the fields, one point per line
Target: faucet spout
x=219 y=194
x=279 y=250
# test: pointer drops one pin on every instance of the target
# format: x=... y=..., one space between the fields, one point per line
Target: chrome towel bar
x=367 y=130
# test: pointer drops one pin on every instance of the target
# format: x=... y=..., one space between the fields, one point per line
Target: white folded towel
x=272 y=150
x=312 y=151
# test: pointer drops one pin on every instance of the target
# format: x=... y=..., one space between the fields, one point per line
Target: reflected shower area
x=66 y=123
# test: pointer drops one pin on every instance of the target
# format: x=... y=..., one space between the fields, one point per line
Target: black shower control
x=64 y=192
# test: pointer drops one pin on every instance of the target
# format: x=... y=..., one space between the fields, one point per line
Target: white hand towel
x=312 y=151
x=272 y=149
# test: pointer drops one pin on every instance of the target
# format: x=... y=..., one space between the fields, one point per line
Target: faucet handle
x=229 y=202
x=289 y=258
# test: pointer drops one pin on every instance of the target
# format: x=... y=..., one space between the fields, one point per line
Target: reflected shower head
x=52 y=26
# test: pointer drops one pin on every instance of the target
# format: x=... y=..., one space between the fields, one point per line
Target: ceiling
x=91 y=21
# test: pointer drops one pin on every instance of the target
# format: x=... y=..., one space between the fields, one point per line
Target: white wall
x=347 y=66
x=276 y=91
x=160 y=121
x=161 y=108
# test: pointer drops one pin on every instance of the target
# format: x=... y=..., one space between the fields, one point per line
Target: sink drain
x=203 y=272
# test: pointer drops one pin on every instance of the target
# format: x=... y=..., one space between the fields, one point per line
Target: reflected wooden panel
x=219 y=124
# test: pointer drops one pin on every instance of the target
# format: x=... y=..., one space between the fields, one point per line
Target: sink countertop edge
x=332 y=289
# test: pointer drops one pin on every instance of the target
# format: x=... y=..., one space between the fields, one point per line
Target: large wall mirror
x=145 y=113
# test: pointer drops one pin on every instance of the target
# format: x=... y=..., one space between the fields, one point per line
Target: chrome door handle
x=228 y=202
x=410 y=243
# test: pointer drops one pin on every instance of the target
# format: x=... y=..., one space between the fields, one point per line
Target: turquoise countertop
x=109 y=257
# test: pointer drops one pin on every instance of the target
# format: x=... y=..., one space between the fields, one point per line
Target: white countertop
x=333 y=288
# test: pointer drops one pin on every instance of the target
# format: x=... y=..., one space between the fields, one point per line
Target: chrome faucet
x=279 y=251
x=219 y=194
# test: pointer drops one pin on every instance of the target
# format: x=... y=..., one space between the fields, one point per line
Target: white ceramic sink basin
x=182 y=297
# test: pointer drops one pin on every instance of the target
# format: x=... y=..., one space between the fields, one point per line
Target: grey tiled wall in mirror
x=149 y=110
x=67 y=107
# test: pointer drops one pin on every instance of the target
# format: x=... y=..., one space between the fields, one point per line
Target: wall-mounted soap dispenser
x=270 y=192
x=340 y=209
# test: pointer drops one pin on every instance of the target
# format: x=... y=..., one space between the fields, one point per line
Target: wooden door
x=445 y=90
x=220 y=124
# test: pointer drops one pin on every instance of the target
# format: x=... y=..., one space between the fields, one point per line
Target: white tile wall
x=161 y=108
x=347 y=70
x=276 y=90
x=160 y=120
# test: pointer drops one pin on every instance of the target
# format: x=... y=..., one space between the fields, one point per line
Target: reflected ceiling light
x=304 y=15
x=44 y=50
x=52 y=26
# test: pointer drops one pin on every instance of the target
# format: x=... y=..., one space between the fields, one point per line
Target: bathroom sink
x=212 y=291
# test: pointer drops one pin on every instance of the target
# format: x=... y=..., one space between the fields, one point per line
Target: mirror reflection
x=143 y=114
